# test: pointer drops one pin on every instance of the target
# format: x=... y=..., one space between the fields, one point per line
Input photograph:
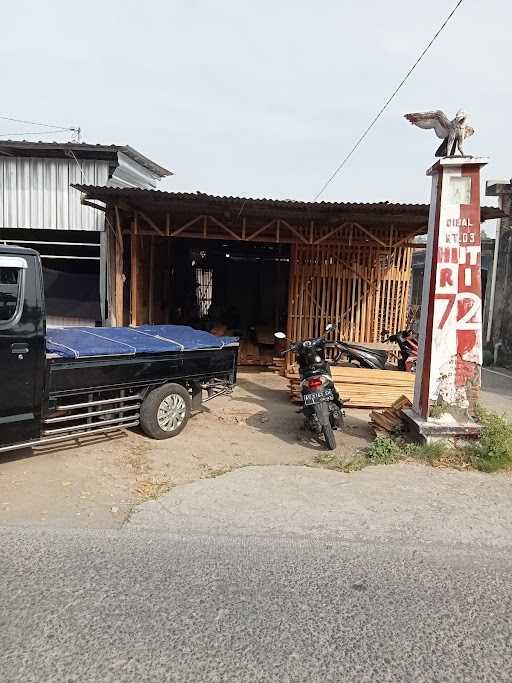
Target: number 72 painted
x=470 y=318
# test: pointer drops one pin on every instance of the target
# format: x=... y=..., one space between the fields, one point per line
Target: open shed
x=253 y=265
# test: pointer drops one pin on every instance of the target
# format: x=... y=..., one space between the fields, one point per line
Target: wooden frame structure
x=349 y=263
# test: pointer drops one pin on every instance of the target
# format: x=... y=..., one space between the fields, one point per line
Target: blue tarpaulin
x=88 y=342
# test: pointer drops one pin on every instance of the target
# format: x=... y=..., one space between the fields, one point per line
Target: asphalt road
x=497 y=390
x=140 y=605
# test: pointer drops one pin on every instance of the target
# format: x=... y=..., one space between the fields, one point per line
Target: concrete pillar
x=450 y=349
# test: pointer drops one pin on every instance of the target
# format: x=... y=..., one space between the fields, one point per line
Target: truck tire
x=165 y=411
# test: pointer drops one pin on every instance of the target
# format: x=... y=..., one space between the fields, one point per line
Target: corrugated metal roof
x=82 y=150
x=246 y=203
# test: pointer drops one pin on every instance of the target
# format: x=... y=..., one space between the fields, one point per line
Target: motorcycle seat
x=363 y=349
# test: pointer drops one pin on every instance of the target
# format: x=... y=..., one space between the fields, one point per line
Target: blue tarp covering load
x=88 y=342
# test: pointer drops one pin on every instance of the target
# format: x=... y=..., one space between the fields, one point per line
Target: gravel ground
x=98 y=483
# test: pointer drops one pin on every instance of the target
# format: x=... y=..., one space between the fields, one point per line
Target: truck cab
x=22 y=345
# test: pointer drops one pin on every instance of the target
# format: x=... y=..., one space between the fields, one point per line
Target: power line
x=36 y=123
x=38 y=132
x=387 y=103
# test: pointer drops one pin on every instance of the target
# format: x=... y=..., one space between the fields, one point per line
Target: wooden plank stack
x=363 y=388
x=391 y=418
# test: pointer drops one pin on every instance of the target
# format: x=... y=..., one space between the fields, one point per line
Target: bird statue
x=453 y=133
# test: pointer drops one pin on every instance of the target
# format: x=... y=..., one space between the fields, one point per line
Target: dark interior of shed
x=231 y=288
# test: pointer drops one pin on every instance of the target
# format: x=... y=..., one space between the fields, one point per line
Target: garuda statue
x=453 y=133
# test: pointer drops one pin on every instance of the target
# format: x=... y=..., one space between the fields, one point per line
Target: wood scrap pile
x=363 y=388
x=278 y=366
x=390 y=419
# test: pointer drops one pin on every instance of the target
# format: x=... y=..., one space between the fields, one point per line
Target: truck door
x=22 y=358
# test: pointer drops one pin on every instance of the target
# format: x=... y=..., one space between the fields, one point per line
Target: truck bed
x=105 y=342
x=85 y=359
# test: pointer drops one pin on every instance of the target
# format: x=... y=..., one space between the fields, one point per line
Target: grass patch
x=438 y=454
x=493 y=451
x=384 y=451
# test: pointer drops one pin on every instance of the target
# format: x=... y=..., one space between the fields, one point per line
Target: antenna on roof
x=77 y=134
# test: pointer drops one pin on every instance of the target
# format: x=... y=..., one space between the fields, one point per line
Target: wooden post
x=119 y=276
x=151 y=278
x=134 y=279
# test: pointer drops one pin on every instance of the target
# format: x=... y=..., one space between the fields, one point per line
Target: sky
x=263 y=99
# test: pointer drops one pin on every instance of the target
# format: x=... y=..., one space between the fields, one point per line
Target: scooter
x=322 y=405
x=408 y=345
x=375 y=359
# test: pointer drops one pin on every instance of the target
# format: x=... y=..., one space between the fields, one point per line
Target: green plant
x=438 y=453
x=384 y=451
x=493 y=451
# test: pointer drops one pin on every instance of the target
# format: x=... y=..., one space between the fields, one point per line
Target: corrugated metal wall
x=36 y=193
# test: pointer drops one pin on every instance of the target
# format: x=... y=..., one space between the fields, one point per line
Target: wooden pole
x=119 y=277
x=134 y=279
x=151 y=278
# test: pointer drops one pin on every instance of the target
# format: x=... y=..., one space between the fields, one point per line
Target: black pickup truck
x=61 y=384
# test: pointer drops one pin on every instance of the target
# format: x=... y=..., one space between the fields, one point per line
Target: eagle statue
x=453 y=133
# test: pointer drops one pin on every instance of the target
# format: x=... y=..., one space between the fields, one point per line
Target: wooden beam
x=150 y=222
x=93 y=205
x=370 y=235
x=260 y=230
x=177 y=232
x=331 y=233
x=151 y=278
x=294 y=230
x=351 y=269
x=224 y=227
x=119 y=277
x=407 y=237
x=134 y=275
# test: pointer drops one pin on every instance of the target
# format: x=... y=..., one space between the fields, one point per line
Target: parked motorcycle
x=322 y=405
x=376 y=359
x=408 y=345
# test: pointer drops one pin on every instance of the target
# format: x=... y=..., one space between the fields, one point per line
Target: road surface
x=133 y=605
x=497 y=390
x=293 y=574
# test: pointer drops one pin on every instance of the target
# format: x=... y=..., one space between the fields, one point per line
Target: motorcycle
x=375 y=359
x=322 y=405
x=408 y=345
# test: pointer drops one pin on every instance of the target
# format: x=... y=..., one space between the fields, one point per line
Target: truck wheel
x=165 y=411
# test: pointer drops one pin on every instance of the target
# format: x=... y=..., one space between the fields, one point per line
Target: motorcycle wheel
x=329 y=437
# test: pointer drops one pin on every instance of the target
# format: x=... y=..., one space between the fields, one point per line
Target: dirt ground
x=99 y=482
